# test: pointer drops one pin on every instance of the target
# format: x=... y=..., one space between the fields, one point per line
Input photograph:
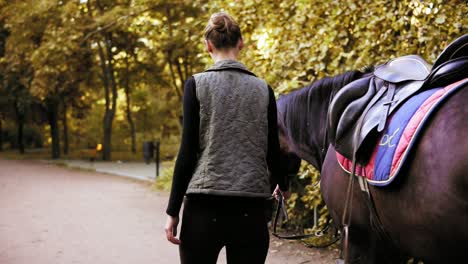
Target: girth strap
x=347 y=211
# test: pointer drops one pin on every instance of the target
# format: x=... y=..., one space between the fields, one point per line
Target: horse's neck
x=306 y=113
x=314 y=143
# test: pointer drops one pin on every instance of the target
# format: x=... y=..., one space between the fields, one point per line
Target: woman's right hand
x=171 y=229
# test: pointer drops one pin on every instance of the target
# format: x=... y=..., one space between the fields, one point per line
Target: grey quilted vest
x=233 y=132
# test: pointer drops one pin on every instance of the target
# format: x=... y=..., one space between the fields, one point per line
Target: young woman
x=228 y=158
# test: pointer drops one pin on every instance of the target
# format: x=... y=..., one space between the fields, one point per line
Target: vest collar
x=226 y=65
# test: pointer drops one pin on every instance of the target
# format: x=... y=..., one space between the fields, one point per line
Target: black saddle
x=451 y=65
x=457 y=49
x=363 y=106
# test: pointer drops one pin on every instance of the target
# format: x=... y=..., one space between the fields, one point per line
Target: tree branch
x=173 y=77
x=117 y=20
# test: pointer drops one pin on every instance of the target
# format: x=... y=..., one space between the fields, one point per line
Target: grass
x=36 y=154
x=164 y=181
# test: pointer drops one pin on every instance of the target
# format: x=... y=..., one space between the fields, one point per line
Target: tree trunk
x=108 y=80
x=65 y=129
x=53 y=117
x=110 y=85
x=106 y=125
x=106 y=143
x=20 y=127
x=113 y=85
x=107 y=137
x=128 y=106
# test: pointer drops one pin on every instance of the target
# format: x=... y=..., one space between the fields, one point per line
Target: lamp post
x=156 y=156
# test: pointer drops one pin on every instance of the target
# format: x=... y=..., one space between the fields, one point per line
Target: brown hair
x=222 y=31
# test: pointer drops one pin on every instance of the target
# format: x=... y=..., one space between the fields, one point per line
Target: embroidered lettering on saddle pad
x=400 y=134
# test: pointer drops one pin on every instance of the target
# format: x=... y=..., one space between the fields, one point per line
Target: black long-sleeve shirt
x=189 y=147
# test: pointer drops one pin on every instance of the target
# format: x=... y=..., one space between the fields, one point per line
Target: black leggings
x=211 y=222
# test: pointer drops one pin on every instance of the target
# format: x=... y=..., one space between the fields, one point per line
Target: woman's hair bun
x=221 y=23
x=223 y=31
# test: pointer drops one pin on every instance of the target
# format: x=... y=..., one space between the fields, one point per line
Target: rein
x=281 y=208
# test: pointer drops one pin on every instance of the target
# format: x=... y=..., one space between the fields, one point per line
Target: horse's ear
x=367 y=69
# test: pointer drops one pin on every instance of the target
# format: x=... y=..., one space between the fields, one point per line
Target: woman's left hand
x=277 y=192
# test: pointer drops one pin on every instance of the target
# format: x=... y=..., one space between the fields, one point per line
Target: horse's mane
x=307 y=107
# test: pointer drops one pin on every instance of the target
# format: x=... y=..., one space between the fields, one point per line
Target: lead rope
x=281 y=208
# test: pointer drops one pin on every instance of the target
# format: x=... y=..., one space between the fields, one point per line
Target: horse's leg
x=364 y=245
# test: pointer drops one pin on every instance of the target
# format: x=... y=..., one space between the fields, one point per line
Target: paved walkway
x=54 y=215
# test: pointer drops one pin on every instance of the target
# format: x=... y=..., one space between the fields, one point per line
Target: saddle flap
x=406 y=68
x=343 y=102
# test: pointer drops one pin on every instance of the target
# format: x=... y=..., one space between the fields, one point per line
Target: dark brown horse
x=424 y=212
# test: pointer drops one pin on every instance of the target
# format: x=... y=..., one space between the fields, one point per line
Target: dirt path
x=50 y=214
